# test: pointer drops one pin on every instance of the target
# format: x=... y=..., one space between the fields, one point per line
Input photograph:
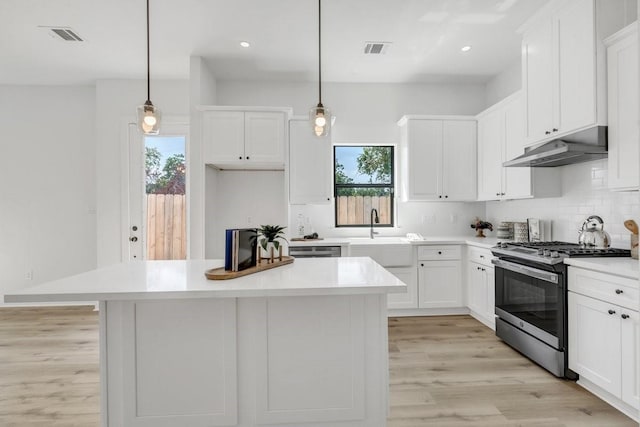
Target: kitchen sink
x=384 y=240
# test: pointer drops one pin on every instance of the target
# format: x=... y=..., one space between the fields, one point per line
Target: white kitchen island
x=300 y=345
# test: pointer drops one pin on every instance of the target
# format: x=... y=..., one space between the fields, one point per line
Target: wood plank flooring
x=452 y=371
x=444 y=371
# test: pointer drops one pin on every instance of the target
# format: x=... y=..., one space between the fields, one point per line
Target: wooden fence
x=357 y=209
x=166 y=226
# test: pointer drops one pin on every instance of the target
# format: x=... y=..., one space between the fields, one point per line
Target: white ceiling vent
x=376 y=48
x=66 y=34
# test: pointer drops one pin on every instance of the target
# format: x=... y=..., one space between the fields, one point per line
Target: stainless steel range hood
x=583 y=146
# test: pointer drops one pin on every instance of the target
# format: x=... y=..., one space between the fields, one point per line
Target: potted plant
x=480 y=225
x=269 y=236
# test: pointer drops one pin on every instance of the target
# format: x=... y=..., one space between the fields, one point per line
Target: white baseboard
x=406 y=312
x=612 y=400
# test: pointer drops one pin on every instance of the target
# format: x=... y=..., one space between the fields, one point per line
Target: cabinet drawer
x=605 y=287
x=439 y=252
x=479 y=255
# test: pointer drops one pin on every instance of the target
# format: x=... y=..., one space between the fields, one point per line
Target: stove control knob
x=547 y=252
x=540 y=251
x=555 y=254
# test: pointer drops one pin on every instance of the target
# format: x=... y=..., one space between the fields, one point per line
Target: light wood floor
x=444 y=371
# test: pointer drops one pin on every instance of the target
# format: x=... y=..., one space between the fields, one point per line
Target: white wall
x=116 y=102
x=504 y=84
x=367 y=113
x=585 y=193
x=47 y=197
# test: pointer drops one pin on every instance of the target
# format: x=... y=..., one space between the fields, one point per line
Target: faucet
x=375 y=219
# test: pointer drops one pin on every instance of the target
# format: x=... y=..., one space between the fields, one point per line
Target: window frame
x=390 y=186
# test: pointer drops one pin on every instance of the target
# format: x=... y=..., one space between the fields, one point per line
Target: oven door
x=532 y=300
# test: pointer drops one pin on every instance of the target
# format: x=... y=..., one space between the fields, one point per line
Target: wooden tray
x=222 y=274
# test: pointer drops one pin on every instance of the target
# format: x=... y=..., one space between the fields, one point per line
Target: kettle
x=592 y=233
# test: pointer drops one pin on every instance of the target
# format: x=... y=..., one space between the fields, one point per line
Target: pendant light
x=148 y=115
x=320 y=116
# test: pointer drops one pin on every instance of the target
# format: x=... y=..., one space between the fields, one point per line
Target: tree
x=375 y=162
x=172 y=180
x=341 y=177
x=152 y=159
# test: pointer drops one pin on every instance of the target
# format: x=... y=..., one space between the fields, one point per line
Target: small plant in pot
x=270 y=236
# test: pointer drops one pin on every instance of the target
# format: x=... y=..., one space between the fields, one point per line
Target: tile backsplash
x=584 y=193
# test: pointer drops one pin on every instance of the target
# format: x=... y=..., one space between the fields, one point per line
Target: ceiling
x=426 y=37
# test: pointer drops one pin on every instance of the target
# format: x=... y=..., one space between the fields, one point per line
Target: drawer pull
x=439 y=252
x=612 y=311
x=482 y=256
x=625 y=316
x=619 y=291
x=477 y=268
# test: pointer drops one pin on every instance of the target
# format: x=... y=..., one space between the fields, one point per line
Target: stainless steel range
x=531 y=298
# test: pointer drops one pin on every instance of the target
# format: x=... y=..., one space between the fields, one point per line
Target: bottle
x=300 y=226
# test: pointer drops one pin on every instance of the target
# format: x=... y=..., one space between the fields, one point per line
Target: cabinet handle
x=482 y=256
x=497 y=194
x=439 y=252
x=421 y=264
x=440 y=197
x=477 y=268
x=619 y=291
x=240 y=157
x=625 y=316
x=611 y=311
x=546 y=132
x=484 y=269
x=247 y=157
x=555 y=130
x=502 y=194
x=446 y=197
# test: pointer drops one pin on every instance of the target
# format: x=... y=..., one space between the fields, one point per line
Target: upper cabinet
x=501 y=130
x=563 y=67
x=235 y=139
x=309 y=165
x=438 y=158
x=622 y=85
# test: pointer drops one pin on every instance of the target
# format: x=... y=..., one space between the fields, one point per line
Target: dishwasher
x=315 y=251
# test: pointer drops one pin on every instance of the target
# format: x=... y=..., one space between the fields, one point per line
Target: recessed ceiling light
x=466 y=48
x=245 y=44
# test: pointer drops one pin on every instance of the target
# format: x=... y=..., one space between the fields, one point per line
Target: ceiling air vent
x=376 y=48
x=63 y=34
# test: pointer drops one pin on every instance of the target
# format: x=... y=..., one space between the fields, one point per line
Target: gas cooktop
x=553 y=252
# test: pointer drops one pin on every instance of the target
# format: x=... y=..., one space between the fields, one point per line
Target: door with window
x=157 y=196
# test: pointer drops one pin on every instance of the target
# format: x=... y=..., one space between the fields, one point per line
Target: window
x=363 y=180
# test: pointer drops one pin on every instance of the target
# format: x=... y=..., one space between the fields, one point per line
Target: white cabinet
x=500 y=138
x=409 y=299
x=562 y=67
x=438 y=158
x=481 y=285
x=243 y=139
x=603 y=336
x=622 y=85
x=439 y=277
x=310 y=167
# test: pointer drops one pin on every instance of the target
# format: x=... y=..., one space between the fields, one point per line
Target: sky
x=167 y=145
x=348 y=156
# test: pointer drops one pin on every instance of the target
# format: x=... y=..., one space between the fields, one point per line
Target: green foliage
x=169 y=180
x=375 y=162
x=271 y=233
x=341 y=177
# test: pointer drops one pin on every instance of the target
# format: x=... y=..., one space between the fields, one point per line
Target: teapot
x=592 y=233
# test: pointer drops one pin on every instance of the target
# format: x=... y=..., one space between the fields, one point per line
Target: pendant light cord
x=148 y=61
x=319 y=53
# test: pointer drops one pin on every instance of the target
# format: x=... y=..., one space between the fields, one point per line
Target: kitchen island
x=303 y=344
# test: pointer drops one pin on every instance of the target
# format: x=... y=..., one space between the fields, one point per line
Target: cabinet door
x=516 y=182
x=439 y=284
x=629 y=365
x=476 y=289
x=490 y=156
x=459 y=160
x=223 y=136
x=623 y=135
x=575 y=28
x=424 y=157
x=264 y=137
x=594 y=341
x=538 y=80
x=410 y=298
x=490 y=281
x=310 y=166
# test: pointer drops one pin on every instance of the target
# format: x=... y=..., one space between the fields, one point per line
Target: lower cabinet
x=481 y=293
x=405 y=300
x=439 y=277
x=603 y=338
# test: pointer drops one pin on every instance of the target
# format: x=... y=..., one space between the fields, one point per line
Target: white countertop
x=185 y=279
x=486 y=242
x=626 y=267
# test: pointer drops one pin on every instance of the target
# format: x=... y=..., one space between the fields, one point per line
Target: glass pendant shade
x=320 y=119
x=149 y=118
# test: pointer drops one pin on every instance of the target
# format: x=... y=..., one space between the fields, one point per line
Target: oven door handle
x=526 y=270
